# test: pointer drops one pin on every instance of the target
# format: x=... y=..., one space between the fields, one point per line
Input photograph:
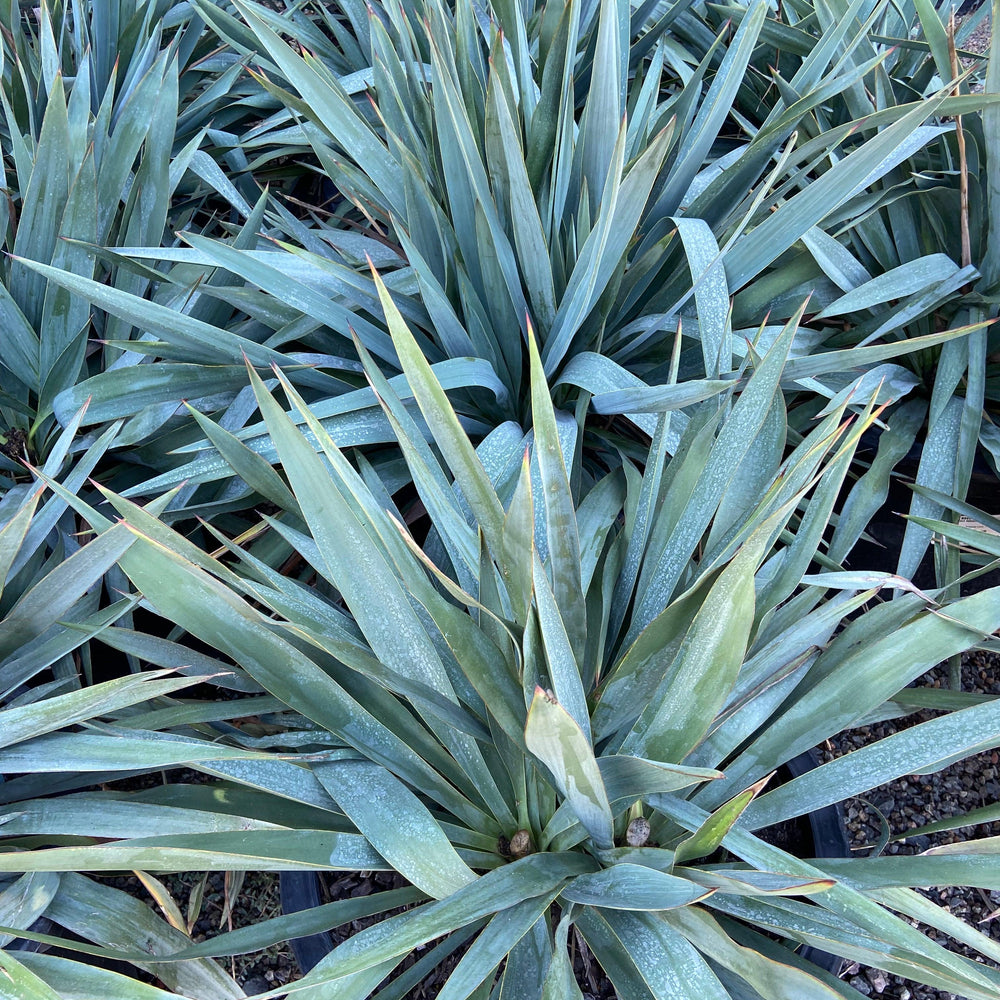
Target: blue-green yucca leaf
x=644 y=953
x=265 y=933
x=602 y=112
x=21 y=343
x=44 y=200
x=255 y=471
x=64 y=318
x=897 y=283
x=659 y=398
x=805 y=545
x=529 y=238
x=556 y=94
x=628 y=886
x=627 y=778
x=821 y=928
x=24 y=722
x=918 y=907
x=243 y=850
x=936 y=295
x=768 y=977
x=24 y=900
x=87 y=814
x=972 y=537
x=397 y=824
x=61 y=448
x=835 y=42
x=705 y=840
x=754 y=479
x=261 y=271
x=119 y=148
x=560 y=980
x=750 y=255
x=480 y=658
x=746 y=882
x=455 y=446
x=562 y=539
x=14 y=532
x=708 y=659
x=354 y=418
x=26 y=983
x=518 y=540
x=62 y=977
x=565 y=749
x=621 y=208
x=478 y=224
x=924 y=748
x=563 y=667
x=207 y=343
x=936 y=471
x=76 y=627
x=123 y=392
x=123 y=750
x=711 y=291
x=531 y=877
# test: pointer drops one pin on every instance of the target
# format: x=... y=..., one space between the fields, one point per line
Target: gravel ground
x=917 y=800
x=979 y=40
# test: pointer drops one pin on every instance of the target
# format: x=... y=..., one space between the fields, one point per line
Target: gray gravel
x=916 y=800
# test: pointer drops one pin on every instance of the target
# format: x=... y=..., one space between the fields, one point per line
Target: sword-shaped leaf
x=633 y=887
x=709 y=836
x=560 y=744
x=397 y=824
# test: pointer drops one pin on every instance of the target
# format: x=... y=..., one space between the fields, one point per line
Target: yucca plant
x=53 y=604
x=914 y=253
x=88 y=155
x=612 y=180
x=112 y=132
x=112 y=119
x=605 y=177
x=561 y=729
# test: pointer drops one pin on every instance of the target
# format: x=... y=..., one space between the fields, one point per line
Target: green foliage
x=473 y=727
x=577 y=335
x=609 y=182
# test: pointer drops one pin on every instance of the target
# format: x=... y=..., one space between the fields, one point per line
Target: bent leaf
x=560 y=744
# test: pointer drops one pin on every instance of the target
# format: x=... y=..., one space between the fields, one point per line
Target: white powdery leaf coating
x=711 y=292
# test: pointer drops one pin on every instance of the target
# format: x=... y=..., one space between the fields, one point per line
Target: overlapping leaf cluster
x=537 y=575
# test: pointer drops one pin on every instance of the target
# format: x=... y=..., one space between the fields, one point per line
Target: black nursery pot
x=41 y=926
x=820 y=835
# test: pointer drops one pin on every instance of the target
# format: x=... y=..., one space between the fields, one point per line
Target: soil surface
x=904 y=806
